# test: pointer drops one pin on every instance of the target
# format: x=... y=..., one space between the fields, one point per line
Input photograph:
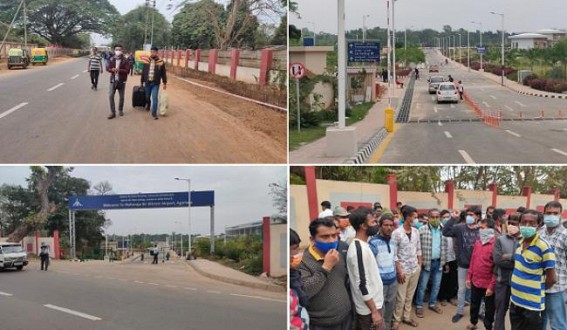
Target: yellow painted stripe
x=378 y=154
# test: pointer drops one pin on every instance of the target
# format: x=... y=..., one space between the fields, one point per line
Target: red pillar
x=56 y=244
x=172 y=56
x=178 y=57
x=266 y=245
x=312 y=199
x=393 y=183
x=556 y=194
x=234 y=61
x=494 y=188
x=265 y=65
x=37 y=242
x=527 y=191
x=450 y=190
x=197 y=59
x=187 y=57
x=213 y=58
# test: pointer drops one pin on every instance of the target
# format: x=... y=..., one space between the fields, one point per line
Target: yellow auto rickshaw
x=18 y=57
x=39 y=55
x=140 y=56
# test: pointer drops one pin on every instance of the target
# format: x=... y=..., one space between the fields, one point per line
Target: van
x=12 y=255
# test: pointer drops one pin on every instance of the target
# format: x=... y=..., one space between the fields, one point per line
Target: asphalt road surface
x=49 y=114
x=99 y=295
x=452 y=134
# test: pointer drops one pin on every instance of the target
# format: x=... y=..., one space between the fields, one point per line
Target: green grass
x=310 y=134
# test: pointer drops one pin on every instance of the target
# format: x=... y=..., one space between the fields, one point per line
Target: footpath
x=366 y=129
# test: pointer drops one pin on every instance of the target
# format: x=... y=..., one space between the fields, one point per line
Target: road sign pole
x=341 y=74
x=298 y=106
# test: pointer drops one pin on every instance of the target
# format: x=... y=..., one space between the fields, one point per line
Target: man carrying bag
x=118 y=67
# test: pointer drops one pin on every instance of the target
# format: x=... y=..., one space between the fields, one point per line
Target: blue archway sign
x=141 y=201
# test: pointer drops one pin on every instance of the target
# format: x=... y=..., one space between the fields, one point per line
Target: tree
x=60 y=21
x=103 y=187
x=130 y=31
x=278 y=191
x=533 y=55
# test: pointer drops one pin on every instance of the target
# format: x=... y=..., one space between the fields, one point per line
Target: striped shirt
x=427 y=237
x=558 y=240
x=528 y=276
x=385 y=253
x=95 y=62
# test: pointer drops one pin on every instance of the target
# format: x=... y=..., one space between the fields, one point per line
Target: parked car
x=433 y=68
x=18 y=57
x=434 y=82
x=447 y=92
x=12 y=255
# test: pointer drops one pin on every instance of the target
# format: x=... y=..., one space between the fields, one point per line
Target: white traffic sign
x=296 y=70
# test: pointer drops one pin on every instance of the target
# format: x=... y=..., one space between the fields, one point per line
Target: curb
x=267 y=287
x=368 y=149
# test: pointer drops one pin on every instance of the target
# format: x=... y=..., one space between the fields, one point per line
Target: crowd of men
x=368 y=268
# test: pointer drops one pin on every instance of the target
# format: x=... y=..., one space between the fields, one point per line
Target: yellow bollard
x=389 y=121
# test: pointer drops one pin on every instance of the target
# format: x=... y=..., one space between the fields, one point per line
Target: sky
x=241 y=194
x=520 y=15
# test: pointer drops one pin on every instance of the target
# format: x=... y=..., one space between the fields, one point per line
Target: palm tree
x=533 y=55
x=560 y=50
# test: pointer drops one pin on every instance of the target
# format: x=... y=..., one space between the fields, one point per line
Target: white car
x=12 y=255
x=447 y=92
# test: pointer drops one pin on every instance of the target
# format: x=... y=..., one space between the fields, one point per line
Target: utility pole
x=146 y=24
x=11 y=24
x=25 y=26
x=153 y=14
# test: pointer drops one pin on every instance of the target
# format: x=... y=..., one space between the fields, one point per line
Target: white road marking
x=7 y=112
x=441 y=124
x=493 y=97
x=153 y=284
x=485 y=104
x=435 y=109
x=55 y=87
x=466 y=157
x=448 y=135
x=452 y=106
x=560 y=152
x=520 y=104
x=75 y=77
x=139 y=282
x=5 y=294
x=509 y=108
x=85 y=71
x=257 y=297
x=72 y=312
x=513 y=133
x=212 y=291
x=192 y=289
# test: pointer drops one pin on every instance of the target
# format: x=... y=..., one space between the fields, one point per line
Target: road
x=100 y=295
x=452 y=134
x=50 y=115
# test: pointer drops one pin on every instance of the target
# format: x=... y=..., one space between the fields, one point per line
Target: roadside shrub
x=538 y=84
x=527 y=80
x=550 y=85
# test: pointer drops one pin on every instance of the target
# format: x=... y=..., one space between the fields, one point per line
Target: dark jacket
x=465 y=239
x=159 y=72
x=297 y=287
x=504 y=244
x=123 y=70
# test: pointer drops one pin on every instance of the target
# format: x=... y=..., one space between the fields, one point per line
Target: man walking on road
x=118 y=67
x=155 y=254
x=152 y=74
x=44 y=255
x=95 y=68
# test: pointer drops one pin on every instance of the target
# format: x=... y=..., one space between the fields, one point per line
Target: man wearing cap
x=346 y=231
x=325 y=210
x=152 y=74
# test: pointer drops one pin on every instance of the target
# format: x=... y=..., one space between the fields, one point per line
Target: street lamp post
x=469 y=50
x=480 y=33
x=501 y=46
x=189 y=214
x=364 y=27
x=394 y=42
x=389 y=56
x=460 y=46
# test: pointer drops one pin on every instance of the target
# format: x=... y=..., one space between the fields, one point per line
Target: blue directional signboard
x=308 y=41
x=368 y=51
x=141 y=201
x=481 y=50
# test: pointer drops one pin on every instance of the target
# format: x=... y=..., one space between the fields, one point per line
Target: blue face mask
x=470 y=220
x=551 y=220
x=417 y=224
x=444 y=221
x=325 y=247
x=527 y=232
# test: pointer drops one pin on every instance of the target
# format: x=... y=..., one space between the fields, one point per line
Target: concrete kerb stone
x=266 y=286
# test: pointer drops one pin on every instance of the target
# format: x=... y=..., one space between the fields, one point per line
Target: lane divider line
x=17 y=107
x=493 y=97
x=139 y=282
x=75 y=77
x=72 y=312
x=5 y=294
x=85 y=71
x=439 y=123
x=466 y=157
x=258 y=297
x=559 y=152
x=520 y=104
x=509 y=108
x=448 y=135
x=486 y=104
x=513 y=133
x=192 y=289
x=153 y=284
x=55 y=87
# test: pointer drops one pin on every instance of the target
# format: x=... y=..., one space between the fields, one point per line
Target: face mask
x=118 y=52
x=513 y=230
x=551 y=220
x=371 y=231
x=434 y=223
x=417 y=224
x=296 y=260
x=486 y=235
x=325 y=247
x=343 y=223
x=527 y=232
x=470 y=220
x=445 y=221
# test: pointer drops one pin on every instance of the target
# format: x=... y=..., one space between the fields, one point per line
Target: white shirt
x=347 y=235
x=118 y=60
x=326 y=213
x=365 y=280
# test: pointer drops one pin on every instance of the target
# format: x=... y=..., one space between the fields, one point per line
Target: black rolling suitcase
x=138 y=96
